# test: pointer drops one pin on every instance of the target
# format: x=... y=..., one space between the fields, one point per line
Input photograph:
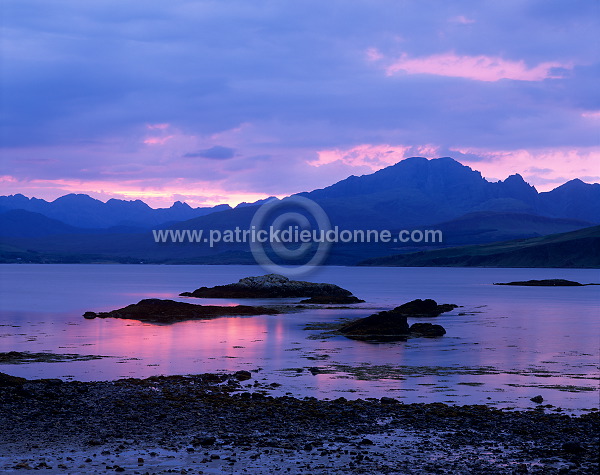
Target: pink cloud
x=544 y=168
x=371 y=156
x=373 y=54
x=158 y=140
x=479 y=68
x=591 y=114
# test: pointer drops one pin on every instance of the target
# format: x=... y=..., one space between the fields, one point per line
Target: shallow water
x=503 y=346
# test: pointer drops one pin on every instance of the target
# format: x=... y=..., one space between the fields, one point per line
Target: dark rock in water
x=170 y=311
x=382 y=326
x=6 y=381
x=424 y=308
x=90 y=315
x=537 y=399
x=19 y=357
x=391 y=325
x=427 y=329
x=333 y=299
x=11 y=356
x=269 y=286
x=545 y=283
x=243 y=375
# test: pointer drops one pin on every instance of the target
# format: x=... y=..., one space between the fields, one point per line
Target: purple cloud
x=119 y=96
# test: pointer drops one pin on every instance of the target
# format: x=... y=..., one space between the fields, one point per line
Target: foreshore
x=229 y=424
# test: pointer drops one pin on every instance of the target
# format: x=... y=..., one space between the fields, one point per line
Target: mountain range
x=83 y=211
x=417 y=191
x=414 y=193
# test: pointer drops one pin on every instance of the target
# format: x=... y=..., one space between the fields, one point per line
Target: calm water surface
x=503 y=346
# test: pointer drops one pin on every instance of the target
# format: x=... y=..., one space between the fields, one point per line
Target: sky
x=214 y=102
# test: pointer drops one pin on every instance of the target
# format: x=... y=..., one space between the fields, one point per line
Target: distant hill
x=575 y=199
x=490 y=226
x=83 y=211
x=580 y=249
x=140 y=246
x=21 y=223
x=414 y=193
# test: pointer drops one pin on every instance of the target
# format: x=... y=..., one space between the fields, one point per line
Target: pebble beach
x=228 y=423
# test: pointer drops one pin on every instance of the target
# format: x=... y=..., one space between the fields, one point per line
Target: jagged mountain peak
x=180 y=205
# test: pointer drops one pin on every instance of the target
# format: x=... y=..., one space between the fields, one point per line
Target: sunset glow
x=197 y=111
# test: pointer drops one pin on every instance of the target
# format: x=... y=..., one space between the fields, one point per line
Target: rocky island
x=170 y=311
x=545 y=283
x=271 y=286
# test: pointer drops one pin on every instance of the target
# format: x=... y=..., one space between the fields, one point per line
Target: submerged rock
x=545 y=283
x=392 y=325
x=170 y=311
x=269 y=286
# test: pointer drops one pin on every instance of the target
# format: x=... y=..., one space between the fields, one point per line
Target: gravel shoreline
x=229 y=424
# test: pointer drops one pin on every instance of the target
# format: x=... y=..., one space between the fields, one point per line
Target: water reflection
x=506 y=343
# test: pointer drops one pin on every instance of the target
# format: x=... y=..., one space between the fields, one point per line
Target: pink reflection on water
x=512 y=334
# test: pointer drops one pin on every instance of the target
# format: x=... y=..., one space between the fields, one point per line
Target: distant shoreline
x=326 y=265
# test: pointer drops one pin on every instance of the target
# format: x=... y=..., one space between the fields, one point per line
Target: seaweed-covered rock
x=427 y=329
x=269 y=286
x=170 y=311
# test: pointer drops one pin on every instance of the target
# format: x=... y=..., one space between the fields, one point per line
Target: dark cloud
x=217 y=152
